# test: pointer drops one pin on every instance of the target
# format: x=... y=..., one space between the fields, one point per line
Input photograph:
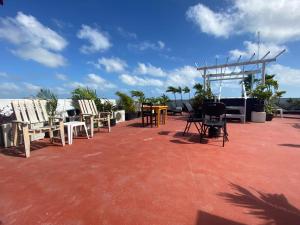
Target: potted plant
x=6 y=116
x=108 y=106
x=127 y=103
x=267 y=94
x=139 y=98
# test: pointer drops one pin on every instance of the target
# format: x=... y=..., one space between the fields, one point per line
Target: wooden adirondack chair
x=90 y=113
x=28 y=113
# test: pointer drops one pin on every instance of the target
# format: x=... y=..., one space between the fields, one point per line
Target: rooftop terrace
x=138 y=175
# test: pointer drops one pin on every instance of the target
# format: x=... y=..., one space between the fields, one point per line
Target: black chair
x=174 y=109
x=193 y=118
x=148 y=113
x=214 y=115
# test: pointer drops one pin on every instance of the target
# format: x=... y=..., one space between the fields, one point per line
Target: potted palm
x=267 y=94
x=139 y=99
x=126 y=103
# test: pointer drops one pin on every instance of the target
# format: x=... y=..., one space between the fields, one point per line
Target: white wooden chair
x=31 y=112
x=90 y=114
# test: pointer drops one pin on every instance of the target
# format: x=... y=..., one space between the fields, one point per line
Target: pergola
x=249 y=67
x=228 y=71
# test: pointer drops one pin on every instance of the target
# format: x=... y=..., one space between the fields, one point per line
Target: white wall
x=63 y=105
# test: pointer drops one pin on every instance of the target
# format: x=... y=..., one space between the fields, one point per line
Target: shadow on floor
x=136 y=125
x=296 y=125
x=274 y=208
x=290 y=145
x=204 y=218
x=166 y=133
x=20 y=150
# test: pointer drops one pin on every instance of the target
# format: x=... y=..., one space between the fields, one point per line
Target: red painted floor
x=155 y=176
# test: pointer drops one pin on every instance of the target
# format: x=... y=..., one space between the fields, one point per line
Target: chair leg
x=15 y=134
x=185 y=129
x=26 y=139
x=108 y=124
x=92 y=125
x=62 y=133
x=86 y=132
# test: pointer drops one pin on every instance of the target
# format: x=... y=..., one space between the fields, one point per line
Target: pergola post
x=204 y=79
x=263 y=73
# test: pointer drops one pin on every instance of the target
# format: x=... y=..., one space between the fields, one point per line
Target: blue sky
x=140 y=45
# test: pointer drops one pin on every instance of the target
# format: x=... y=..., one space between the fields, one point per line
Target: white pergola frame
x=222 y=75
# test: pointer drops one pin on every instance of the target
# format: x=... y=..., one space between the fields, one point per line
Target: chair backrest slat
x=82 y=107
x=43 y=104
x=23 y=111
x=88 y=107
x=38 y=111
x=31 y=111
x=17 y=110
x=93 y=106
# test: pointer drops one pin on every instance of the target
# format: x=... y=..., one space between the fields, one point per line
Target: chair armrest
x=18 y=121
x=54 y=117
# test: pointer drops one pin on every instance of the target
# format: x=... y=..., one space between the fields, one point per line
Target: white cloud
x=147 y=45
x=8 y=87
x=276 y=20
x=61 y=76
x=139 y=81
x=98 y=40
x=98 y=82
x=251 y=47
x=40 y=55
x=150 y=70
x=3 y=74
x=218 y=24
x=113 y=64
x=93 y=81
x=183 y=76
x=285 y=75
x=31 y=88
x=33 y=40
x=126 y=34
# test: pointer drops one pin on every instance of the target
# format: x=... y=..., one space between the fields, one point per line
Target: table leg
x=158 y=117
x=86 y=131
x=71 y=134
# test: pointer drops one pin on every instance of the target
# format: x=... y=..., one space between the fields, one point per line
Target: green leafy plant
x=179 y=90
x=164 y=99
x=51 y=99
x=173 y=90
x=125 y=102
x=268 y=93
x=186 y=90
x=85 y=93
x=139 y=95
x=201 y=95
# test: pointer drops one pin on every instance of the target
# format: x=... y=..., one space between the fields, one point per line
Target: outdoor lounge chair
x=214 y=115
x=174 y=109
x=29 y=113
x=193 y=118
x=90 y=114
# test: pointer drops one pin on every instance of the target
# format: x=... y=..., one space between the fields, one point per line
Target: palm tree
x=174 y=91
x=139 y=95
x=179 y=90
x=199 y=89
x=187 y=90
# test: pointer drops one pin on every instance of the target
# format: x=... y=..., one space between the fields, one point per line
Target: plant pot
x=130 y=115
x=258 y=117
x=269 y=117
x=259 y=107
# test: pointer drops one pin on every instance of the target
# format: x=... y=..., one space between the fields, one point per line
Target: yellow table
x=158 y=109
